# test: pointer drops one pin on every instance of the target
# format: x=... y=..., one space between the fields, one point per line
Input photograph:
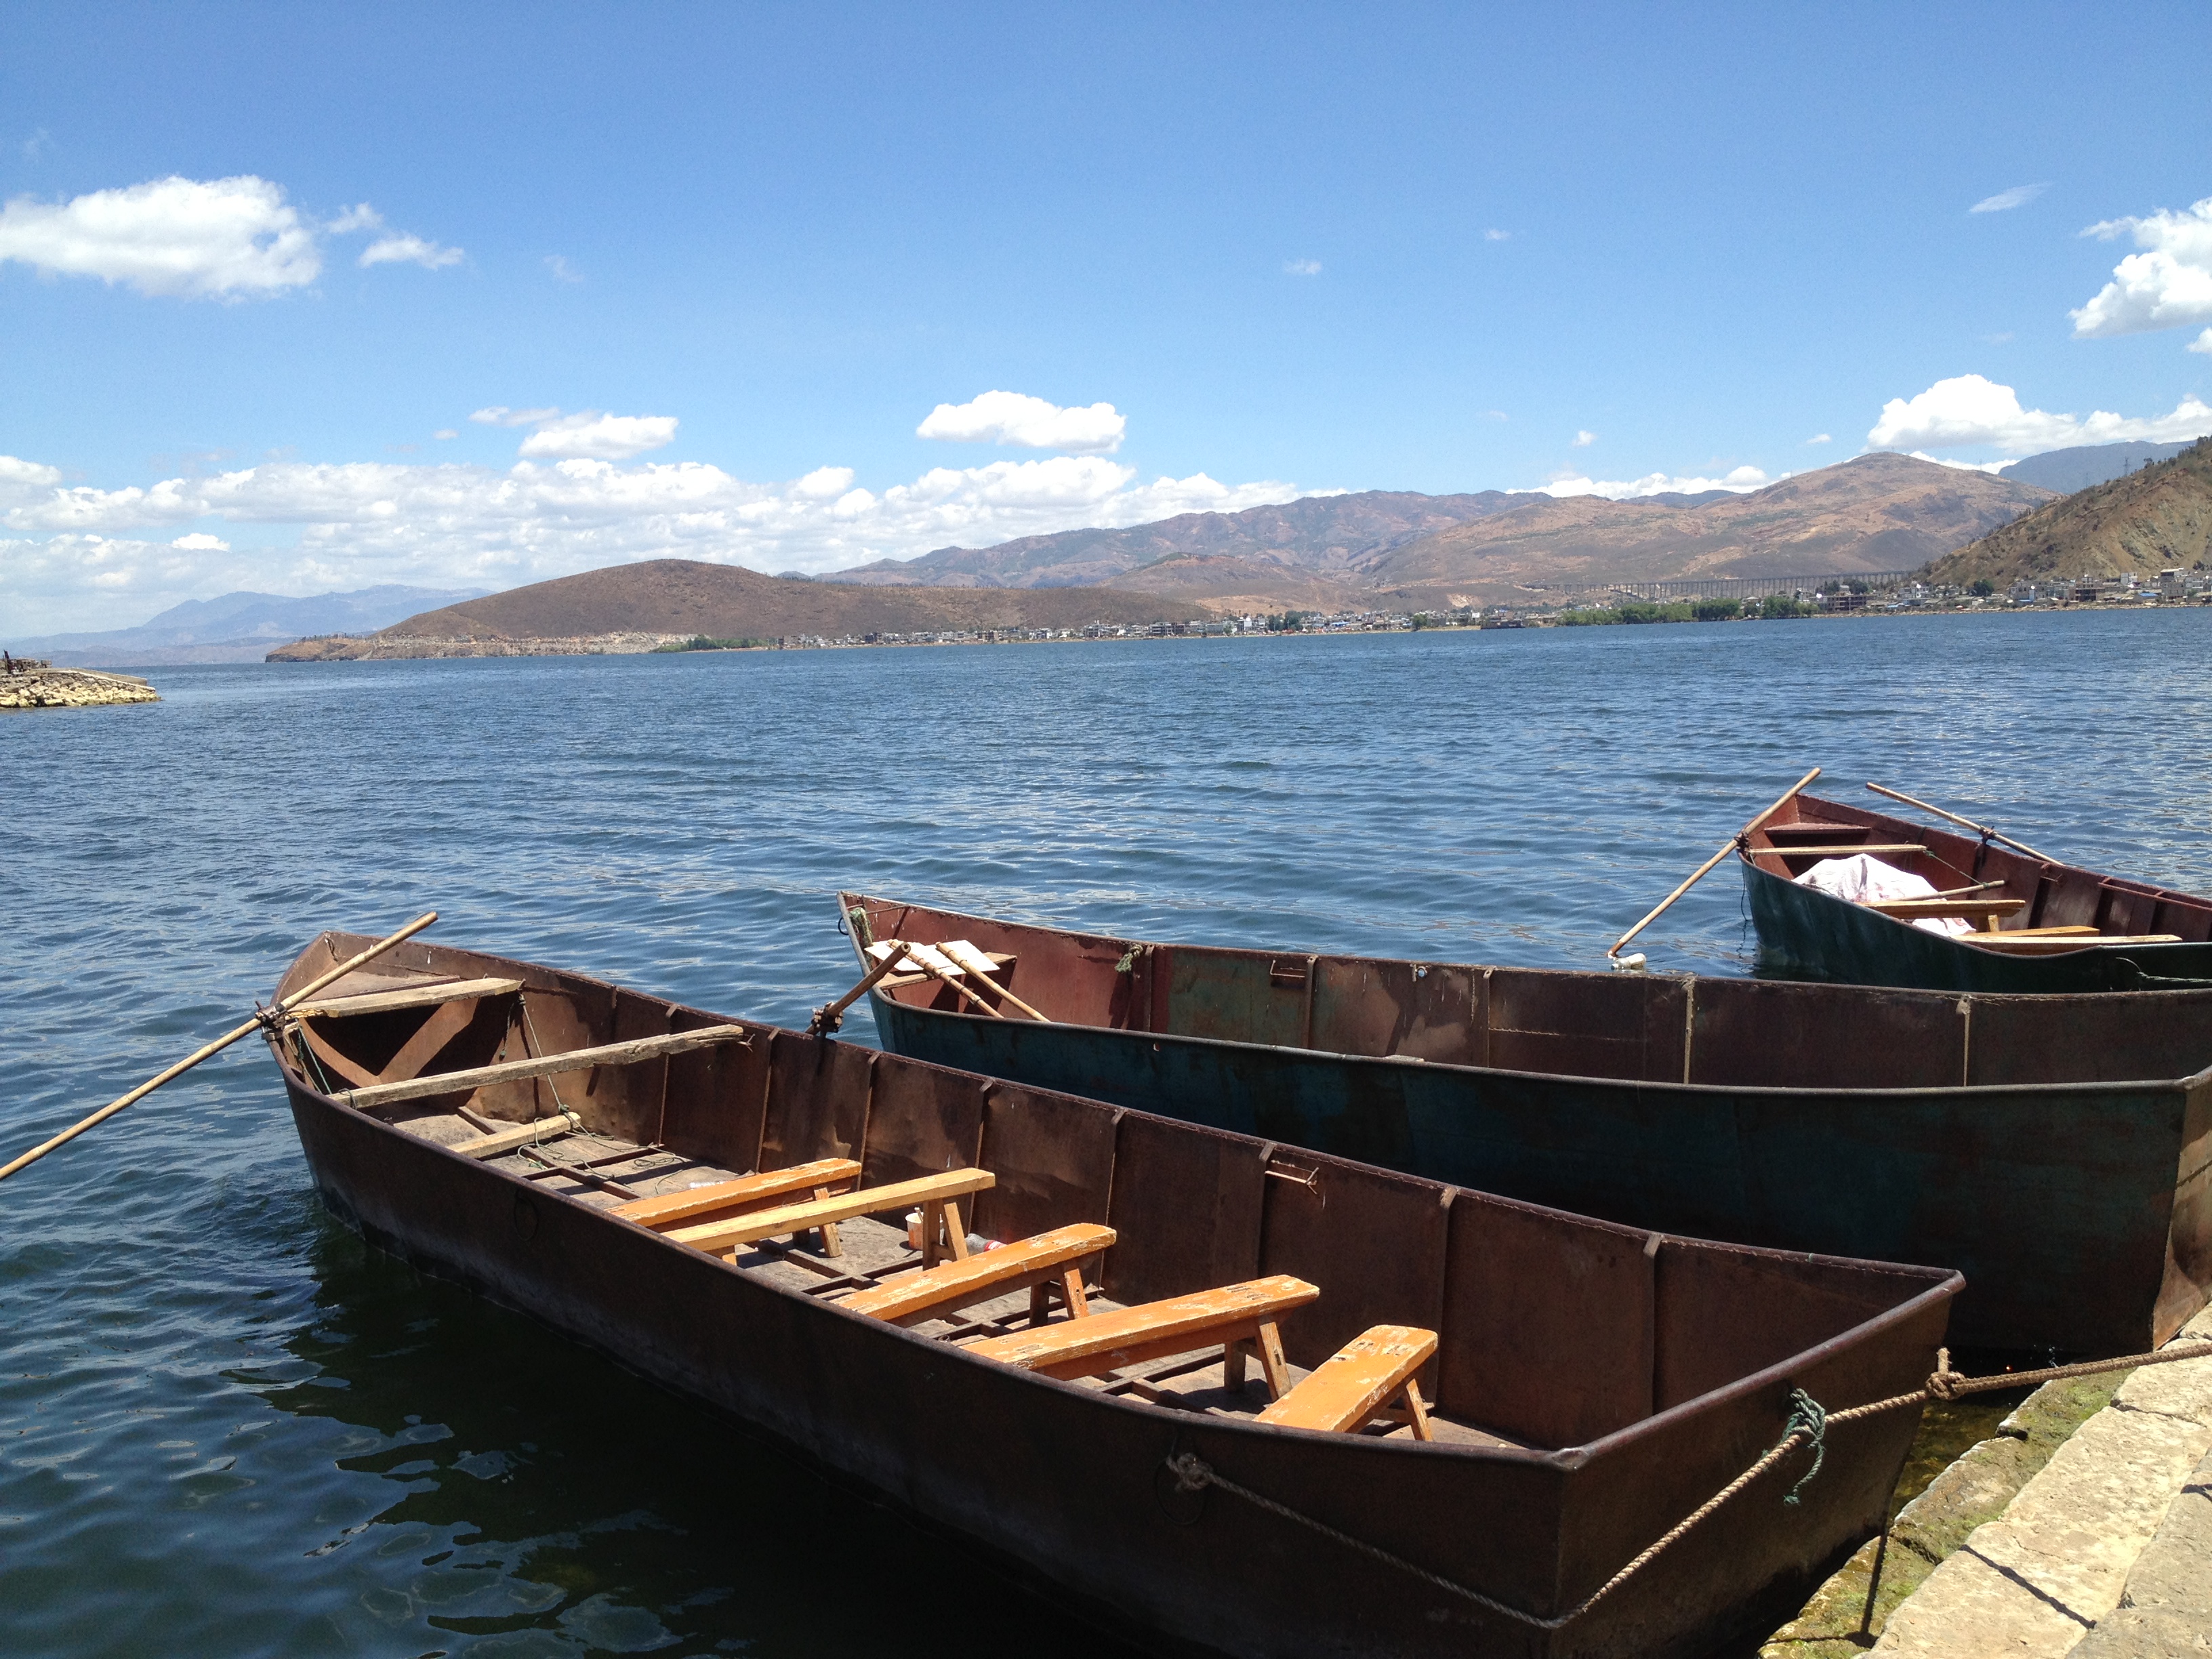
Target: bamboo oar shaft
x=943 y=978
x=1978 y=829
x=1700 y=874
x=216 y=1047
x=1012 y=997
x=829 y=1015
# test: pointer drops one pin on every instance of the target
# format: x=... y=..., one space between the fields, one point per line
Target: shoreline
x=346 y=649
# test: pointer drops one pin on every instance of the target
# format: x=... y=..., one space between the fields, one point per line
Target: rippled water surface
x=226 y=1427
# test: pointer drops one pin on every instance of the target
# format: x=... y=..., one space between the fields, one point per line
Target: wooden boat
x=1583 y=1387
x=2041 y=926
x=2057 y=1151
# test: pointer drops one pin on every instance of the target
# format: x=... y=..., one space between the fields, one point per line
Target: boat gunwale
x=1562 y=1460
x=1943 y=1090
x=2153 y=890
x=2086 y=947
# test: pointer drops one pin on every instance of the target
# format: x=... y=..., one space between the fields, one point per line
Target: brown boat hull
x=1069 y=1486
x=2056 y=1150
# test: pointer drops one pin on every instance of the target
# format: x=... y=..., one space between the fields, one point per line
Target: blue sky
x=1292 y=248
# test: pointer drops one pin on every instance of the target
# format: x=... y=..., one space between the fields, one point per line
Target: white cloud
x=1584 y=440
x=501 y=414
x=405 y=250
x=445 y=431
x=2168 y=285
x=2203 y=342
x=200 y=542
x=561 y=269
x=589 y=435
x=222 y=238
x=1968 y=410
x=1819 y=438
x=1011 y=418
x=1741 y=480
x=1496 y=235
x=70 y=556
x=1990 y=467
x=194 y=239
x=23 y=480
x=2004 y=200
x=1302 y=267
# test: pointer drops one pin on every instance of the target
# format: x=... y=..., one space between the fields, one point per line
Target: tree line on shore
x=1775 y=607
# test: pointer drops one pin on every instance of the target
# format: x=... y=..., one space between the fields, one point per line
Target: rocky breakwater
x=379 y=646
x=36 y=685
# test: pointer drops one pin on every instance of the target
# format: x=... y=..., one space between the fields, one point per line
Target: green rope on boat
x=1807 y=1419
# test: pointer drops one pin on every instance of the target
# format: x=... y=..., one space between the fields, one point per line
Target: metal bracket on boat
x=1309 y=1179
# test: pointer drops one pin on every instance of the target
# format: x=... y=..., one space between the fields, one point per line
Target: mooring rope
x=1807 y=1424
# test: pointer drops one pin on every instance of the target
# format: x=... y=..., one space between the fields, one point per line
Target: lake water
x=226 y=1427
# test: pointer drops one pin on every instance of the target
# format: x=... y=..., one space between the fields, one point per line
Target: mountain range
x=237 y=627
x=2156 y=518
x=1384 y=549
x=2068 y=470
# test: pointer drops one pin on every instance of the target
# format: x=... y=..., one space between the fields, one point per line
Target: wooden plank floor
x=874 y=1251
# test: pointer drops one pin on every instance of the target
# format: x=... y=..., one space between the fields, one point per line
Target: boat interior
x=1648 y=1028
x=2016 y=904
x=1145 y=1258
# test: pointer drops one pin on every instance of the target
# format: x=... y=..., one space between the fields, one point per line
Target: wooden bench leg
x=1266 y=1345
x=831 y=1245
x=943 y=1232
x=1068 y=1287
x=1276 y=1369
x=1412 y=1409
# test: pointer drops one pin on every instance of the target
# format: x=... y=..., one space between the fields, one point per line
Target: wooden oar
x=264 y=1019
x=830 y=1015
x=1978 y=829
x=1698 y=875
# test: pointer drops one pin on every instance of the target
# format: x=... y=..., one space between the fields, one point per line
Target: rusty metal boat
x=2056 y=1150
x=2039 y=927
x=724 y=1207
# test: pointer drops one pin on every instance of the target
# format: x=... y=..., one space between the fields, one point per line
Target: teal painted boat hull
x=2079 y=1212
x=1805 y=934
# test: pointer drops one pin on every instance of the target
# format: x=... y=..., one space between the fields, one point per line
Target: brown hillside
x=1874 y=512
x=1227 y=586
x=1324 y=535
x=683 y=596
x=2144 y=521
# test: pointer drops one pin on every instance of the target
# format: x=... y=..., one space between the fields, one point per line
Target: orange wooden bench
x=824 y=1178
x=1235 y=1317
x=1047 y=1259
x=937 y=1195
x=1369 y=1376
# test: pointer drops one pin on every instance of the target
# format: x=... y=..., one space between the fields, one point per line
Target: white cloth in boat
x=1861 y=878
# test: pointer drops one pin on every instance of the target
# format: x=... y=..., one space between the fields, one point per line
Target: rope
x=1193 y=1473
x=1948 y=1384
x=1807 y=1424
x=1806 y=1418
x=530 y=1035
